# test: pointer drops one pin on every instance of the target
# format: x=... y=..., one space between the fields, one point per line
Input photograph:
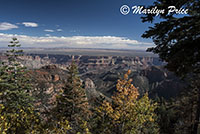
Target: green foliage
x=23 y=121
x=167 y=116
x=177 y=115
x=177 y=37
x=14 y=85
x=16 y=104
x=127 y=114
x=3 y=122
x=60 y=127
x=72 y=102
x=84 y=127
x=177 y=40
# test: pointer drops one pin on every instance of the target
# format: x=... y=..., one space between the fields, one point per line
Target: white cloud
x=48 y=30
x=7 y=26
x=108 y=42
x=59 y=30
x=30 y=24
x=47 y=35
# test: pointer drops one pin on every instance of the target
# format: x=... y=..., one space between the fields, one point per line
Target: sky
x=73 y=23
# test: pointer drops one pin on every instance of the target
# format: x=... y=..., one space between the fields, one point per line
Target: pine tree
x=60 y=127
x=126 y=114
x=14 y=85
x=72 y=103
x=16 y=104
x=167 y=115
x=176 y=39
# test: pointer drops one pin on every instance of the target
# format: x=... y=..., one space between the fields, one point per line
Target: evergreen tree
x=72 y=102
x=176 y=37
x=126 y=114
x=60 y=127
x=177 y=40
x=167 y=115
x=14 y=85
x=16 y=104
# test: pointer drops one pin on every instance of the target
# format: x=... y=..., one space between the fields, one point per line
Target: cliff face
x=162 y=82
x=105 y=70
x=91 y=92
x=155 y=80
x=36 y=61
x=99 y=75
x=50 y=79
x=47 y=82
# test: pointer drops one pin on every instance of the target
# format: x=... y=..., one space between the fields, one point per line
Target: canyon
x=99 y=75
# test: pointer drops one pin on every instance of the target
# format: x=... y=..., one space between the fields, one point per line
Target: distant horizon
x=105 y=42
x=56 y=48
x=86 y=51
x=77 y=24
